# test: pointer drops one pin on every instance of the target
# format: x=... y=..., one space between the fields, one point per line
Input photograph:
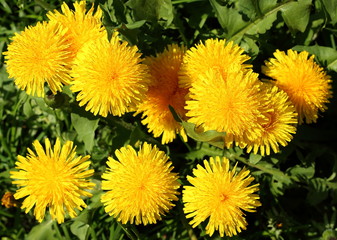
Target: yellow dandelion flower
x=305 y=82
x=228 y=104
x=109 y=77
x=40 y=54
x=212 y=54
x=53 y=178
x=141 y=186
x=82 y=26
x=221 y=196
x=282 y=120
x=164 y=91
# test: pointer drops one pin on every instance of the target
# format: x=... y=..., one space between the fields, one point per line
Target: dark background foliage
x=298 y=187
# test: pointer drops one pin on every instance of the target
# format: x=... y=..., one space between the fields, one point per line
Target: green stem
x=183 y=220
x=58 y=233
x=271 y=171
x=65 y=231
x=184 y=1
x=117 y=121
x=92 y=234
x=128 y=232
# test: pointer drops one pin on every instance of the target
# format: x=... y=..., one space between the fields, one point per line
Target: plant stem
x=185 y=223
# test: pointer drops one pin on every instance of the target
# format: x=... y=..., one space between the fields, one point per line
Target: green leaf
x=43 y=231
x=266 y=17
x=329 y=234
x=80 y=229
x=296 y=15
x=85 y=129
x=152 y=10
x=250 y=46
x=211 y=136
x=331 y=6
x=254 y=158
x=135 y=25
x=27 y=109
x=229 y=18
x=204 y=150
x=299 y=172
x=325 y=55
x=318 y=190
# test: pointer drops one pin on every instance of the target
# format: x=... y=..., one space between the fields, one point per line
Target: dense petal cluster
x=305 y=82
x=220 y=195
x=81 y=26
x=53 y=178
x=164 y=92
x=140 y=185
x=281 y=124
x=226 y=95
x=230 y=104
x=40 y=55
x=109 y=77
x=213 y=54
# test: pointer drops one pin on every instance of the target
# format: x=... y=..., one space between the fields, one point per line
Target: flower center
x=223 y=197
x=271 y=120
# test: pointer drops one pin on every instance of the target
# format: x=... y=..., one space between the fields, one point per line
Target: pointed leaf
x=152 y=10
x=331 y=6
x=229 y=18
x=296 y=15
x=211 y=136
x=85 y=129
x=43 y=231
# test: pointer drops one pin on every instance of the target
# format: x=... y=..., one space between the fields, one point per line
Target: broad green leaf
x=299 y=172
x=262 y=23
x=266 y=14
x=152 y=10
x=254 y=158
x=248 y=8
x=27 y=109
x=329 y=234
x=296 y=15
x=331 y=8
x=85 y=129
x=325 y=55
x=266 y=5
x=250 y=46
x=42 y=231
x=80 y=229
x=229 y=18
x=135 y=25
x=211 y=136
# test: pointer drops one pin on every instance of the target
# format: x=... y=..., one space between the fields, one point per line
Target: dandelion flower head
x=164 y=91
x=140 y=185
x=53 y=178
x=212 y=54
x=109 y=77
x=82 y=26
x=305 y=82
x=281 y=124
x=220 y=195
x=38 y=55
x=229 y=103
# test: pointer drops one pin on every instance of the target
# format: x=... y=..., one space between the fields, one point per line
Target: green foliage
x=298 y=186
